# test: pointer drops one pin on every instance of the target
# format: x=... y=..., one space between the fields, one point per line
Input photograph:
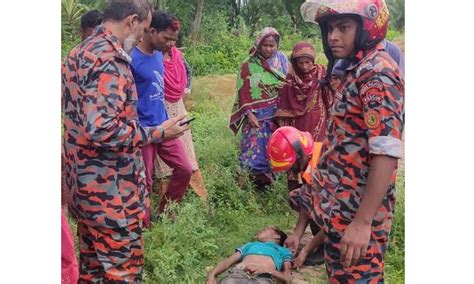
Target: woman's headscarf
x=259 y=81
x=302 y=49
x=278 y=60
x=299 y=94
x=174 y=76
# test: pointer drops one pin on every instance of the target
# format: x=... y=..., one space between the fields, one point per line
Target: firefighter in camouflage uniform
x=353 y=188
x=104 y=172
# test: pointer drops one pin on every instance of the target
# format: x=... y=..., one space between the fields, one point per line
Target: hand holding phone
x=187 y=121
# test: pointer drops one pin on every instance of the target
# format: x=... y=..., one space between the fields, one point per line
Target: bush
x=71 y=12
x=226 y=52
x=395 y=258
x=222 y=55
x=67 y=45
x=393 y=34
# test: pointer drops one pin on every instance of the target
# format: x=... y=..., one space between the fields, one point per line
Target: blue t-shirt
x=396 y=54
x=278 y=253
x=148 y=71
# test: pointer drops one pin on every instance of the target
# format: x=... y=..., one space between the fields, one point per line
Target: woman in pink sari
x=69 y=267
x=177 y=79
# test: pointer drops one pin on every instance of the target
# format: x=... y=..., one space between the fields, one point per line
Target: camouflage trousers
x=369 y=269
x=110 y=255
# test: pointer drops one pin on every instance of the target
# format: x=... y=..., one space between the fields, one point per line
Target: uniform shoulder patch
x=372 y=119
x=372 y=91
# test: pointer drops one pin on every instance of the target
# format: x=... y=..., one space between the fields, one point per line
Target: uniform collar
x=361 y=54
x=101 y=31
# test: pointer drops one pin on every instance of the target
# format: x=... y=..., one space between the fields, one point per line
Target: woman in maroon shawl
x=303 y=102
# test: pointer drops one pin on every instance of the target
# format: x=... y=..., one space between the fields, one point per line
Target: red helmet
x=286 y=145
x=373 y=16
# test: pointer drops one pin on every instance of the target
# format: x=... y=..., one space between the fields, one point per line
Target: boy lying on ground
x=262 y=261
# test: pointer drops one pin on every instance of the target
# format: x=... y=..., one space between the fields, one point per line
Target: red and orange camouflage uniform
x=367 y=119
x=103 y=163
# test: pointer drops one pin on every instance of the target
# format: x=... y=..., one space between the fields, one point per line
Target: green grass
x=395 y=258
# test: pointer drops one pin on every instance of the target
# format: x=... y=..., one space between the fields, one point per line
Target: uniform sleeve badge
x=372 y=119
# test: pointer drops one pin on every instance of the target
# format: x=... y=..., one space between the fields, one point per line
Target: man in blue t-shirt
x=148 y=71
x=257 y=262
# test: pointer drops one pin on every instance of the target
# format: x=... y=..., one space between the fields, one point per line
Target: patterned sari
x=258 y=85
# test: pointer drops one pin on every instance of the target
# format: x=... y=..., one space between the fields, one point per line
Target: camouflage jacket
x=102 y=137
x=367 y=119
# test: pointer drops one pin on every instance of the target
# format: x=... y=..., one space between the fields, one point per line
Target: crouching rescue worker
x=292 y=150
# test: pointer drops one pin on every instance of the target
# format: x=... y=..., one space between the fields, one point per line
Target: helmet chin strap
x=299 y=155
x=358 y=38
x=327 y=51
x=298 y=149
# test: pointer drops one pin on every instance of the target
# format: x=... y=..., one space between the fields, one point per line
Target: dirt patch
x=220 y=85
x=217 y=86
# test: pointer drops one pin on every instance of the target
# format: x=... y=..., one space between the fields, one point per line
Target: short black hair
x=162 y=20
x=282 y=235
x=118 y=10
x=91 y=19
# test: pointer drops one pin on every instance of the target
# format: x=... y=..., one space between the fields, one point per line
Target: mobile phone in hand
x=187 y=121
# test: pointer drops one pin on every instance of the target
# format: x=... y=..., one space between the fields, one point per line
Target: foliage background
x=203 y=233
x=228 y=28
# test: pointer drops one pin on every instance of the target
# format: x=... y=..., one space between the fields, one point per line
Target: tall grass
x=395 y=258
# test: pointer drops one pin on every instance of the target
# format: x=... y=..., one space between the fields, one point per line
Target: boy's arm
x=285 y=274
x=293 y=241
x=315 y=242
x=223 y=266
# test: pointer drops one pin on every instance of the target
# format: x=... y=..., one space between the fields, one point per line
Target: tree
x=94 y=4
x=293 y=9
x=71 y=12
x=397 y=14
x=253 y=11
x=196 y=26
x=158 y=4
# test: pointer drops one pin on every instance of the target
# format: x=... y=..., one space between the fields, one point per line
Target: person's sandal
x=316 y=257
